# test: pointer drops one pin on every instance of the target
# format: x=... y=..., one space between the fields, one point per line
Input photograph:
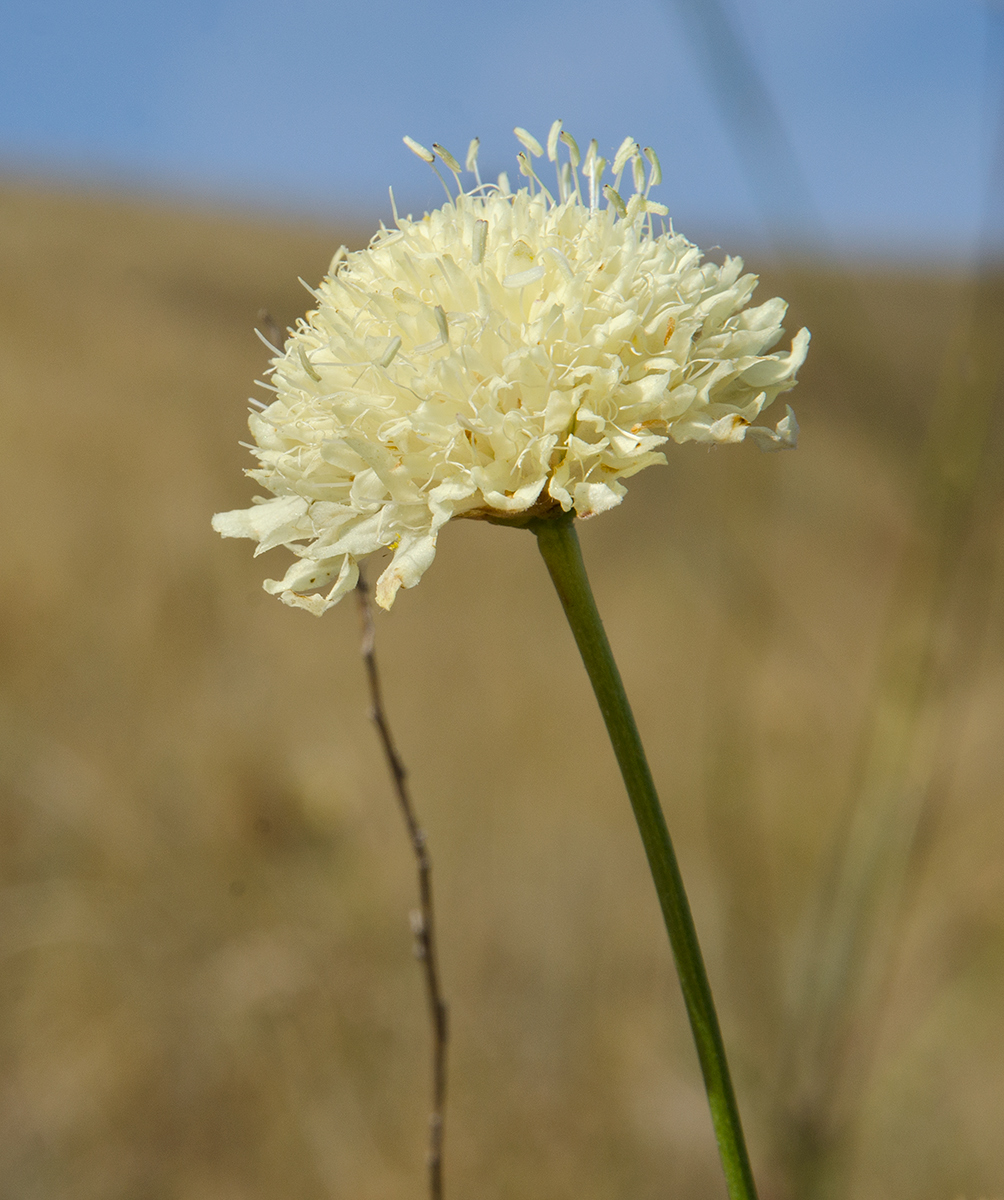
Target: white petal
x=267 y=523
x=594 y=498
x=783 y=437
x=729 y=429
x=407 y=567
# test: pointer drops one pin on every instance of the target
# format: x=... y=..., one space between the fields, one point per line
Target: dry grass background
x=207 y=991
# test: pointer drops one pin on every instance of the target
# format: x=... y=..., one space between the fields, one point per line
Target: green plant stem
x=559 y=546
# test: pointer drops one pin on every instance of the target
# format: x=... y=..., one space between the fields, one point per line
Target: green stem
x=559 y=546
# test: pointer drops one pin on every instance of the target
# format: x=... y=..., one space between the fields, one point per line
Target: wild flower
x=507 y=355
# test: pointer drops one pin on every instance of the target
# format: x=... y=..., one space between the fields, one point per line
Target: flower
x=507 y=355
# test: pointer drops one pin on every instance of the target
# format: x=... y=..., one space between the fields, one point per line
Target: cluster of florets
x=509 y=355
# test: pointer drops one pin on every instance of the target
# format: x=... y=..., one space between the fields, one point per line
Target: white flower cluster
x=507 y=354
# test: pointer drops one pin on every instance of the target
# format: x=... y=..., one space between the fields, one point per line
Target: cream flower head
x=507 y=355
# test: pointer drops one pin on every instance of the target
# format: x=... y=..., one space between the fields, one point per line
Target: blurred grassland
x=207 y=989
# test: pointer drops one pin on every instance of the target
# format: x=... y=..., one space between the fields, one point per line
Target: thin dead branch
x=423 y=919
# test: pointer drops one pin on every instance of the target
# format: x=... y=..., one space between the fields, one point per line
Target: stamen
x=451 y=162
x=526 y=168
x=480 y=242
x=393 y=208
x=430 y=158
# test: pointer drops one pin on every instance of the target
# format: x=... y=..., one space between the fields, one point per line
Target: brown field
x=207 y=989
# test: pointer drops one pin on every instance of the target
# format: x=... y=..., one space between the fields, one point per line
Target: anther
x=308 y=366
x=441 y=321
x=480 y=242
x=552 y=141
x=614 y=199
x=447 y=158
x=419 y=149
x=638 y=172
x=626 y=150
x=388 y=355
x=574 y=153
x=529 y=141
x=566 y=267
x=522 y=279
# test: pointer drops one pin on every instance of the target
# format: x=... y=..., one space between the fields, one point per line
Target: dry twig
x=423 y=922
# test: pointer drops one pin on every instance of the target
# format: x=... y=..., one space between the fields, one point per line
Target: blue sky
x=890 y=107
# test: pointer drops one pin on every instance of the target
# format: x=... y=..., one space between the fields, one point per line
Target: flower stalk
x=559 y=547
